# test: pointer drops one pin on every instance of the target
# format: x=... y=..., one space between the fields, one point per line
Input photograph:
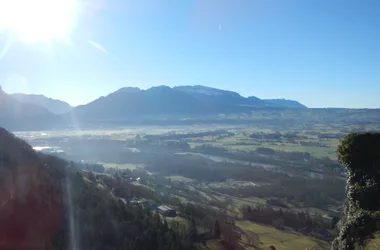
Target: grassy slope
x=280 y=239
x=373 y=244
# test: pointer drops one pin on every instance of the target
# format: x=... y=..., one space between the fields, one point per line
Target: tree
x=359 y=154
x=230 y=235
x=208 y=223
x=193 y=232
x=217 y=230
x=253 y=239
x=40 y=221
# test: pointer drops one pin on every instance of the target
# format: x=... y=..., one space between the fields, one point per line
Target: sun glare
x=37 y=20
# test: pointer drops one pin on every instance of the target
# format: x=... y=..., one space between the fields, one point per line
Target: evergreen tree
x=217 y=231
x=193 y=232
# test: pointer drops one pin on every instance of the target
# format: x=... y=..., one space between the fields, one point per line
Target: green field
x=270 y=236
x=123 y=166
x=214 y=245
x=238 y=141
x=280 y=239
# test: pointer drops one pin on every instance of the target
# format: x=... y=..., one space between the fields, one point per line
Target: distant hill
x=220 y=96
x=203 y=90
x=54 y=106
x=182 y=105
x=233 y=97
x=283 y=103
x=156 y=101
x=165 y=101
x=24 y=116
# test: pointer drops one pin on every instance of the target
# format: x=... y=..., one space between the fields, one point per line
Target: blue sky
x=323 y=53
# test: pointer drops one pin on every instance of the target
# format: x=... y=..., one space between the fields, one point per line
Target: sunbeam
x=33 y=21
x=4 y=51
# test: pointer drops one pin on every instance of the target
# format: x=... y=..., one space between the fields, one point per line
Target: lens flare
x=32 y=21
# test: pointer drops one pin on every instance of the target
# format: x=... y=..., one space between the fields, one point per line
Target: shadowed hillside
x=30 y=200
x=46 y=205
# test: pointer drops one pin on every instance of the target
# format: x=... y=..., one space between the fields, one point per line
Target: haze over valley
x=189 y=125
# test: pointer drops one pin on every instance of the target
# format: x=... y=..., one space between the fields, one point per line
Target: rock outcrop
x=360 y=155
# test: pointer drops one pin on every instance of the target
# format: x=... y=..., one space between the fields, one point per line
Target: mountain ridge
x=53 y=105
x=24 y=116
x=198 y=90
x=286 y=102
x=209 y=91
x=197 y=100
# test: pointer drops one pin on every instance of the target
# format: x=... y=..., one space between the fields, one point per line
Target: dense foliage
x=101 y=222
x=98 y=168
x=293 y=189
x=47 y=205
x=297 y=191
x=359 y=153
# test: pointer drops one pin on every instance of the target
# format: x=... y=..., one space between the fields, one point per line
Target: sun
x=33 y=21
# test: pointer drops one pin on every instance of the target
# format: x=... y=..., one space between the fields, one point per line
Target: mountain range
x=18 y=115
x=53 y=105
x=233 y=97
x=28 y=111
x=182 y=100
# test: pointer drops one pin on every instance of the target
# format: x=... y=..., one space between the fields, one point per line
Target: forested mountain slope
x=46 y=205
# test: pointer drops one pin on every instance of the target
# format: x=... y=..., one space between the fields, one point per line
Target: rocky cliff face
x=360 y=154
